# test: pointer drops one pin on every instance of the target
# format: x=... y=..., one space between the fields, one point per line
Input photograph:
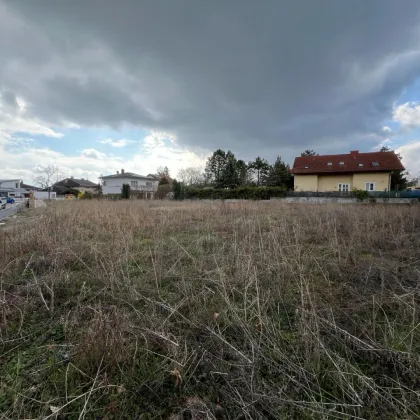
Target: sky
x=94 y=86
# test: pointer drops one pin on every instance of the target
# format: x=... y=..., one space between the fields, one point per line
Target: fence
x=352 y=194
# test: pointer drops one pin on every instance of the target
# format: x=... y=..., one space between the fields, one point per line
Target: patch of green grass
x=248 y=310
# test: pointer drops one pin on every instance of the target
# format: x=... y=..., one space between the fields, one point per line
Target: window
x=329 y=163
x=345 y=188
x=341 y=163
x=360 y=164
x=370 y=186
x=134 y=184
x=375 y=163
x=17 y=184
x=149 y=184
x=104 y=183
x=306 y=167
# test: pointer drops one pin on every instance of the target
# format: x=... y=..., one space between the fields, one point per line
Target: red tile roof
x=351 y=162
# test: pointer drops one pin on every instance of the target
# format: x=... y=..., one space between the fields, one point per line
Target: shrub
x=125 y=191
x=178 y=190
x=361 y=195
x=243 y=193
x=87 y=195
x=163 y=190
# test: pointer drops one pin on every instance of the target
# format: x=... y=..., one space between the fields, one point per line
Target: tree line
x=224 y=170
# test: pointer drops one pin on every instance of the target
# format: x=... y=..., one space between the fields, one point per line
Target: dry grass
x=116 y=310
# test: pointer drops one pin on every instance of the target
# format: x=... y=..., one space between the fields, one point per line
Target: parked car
x=10 y=200
x=3 y=202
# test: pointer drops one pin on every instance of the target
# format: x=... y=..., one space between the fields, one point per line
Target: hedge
x=244 y=193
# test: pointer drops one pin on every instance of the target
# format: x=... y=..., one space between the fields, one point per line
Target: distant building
x=112 y=184
x=11 y=183
x=68 y=184
x=30 y=187
x=364 y=171
x=13 y=188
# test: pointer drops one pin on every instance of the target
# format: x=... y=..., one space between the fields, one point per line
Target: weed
x=133 y=309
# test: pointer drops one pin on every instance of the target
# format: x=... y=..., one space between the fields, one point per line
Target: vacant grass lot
x=141 y=310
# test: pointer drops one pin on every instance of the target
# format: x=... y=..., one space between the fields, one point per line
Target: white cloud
x=386 y=129
x=116 y=143
x=93 y=153
x=91 y=163
x=157 y=139
x=14 y=124
x=15 y=120
x=156 y=149
x=410 y=154
x=407 y=114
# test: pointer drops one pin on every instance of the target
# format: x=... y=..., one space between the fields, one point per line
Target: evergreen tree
x=178 y=190
x=125 y=191
x=243 y=172
x=309 y=152
x=261 y=166
x=215 y=167
x=278 y=174
x=98 y=189
x=230 y=171
x=164 y=180
x=398 y=178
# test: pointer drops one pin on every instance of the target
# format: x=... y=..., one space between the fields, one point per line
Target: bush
x=125 y=191
x=178 y=190
x=242 y=193
x=361 y=195
x=87 y=195
x=163 y=191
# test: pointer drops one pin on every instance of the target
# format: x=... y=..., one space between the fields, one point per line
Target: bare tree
x=190 y=176
x=163 y=171
x=47 y=176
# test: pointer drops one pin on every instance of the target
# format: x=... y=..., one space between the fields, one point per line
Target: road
x=10 y=209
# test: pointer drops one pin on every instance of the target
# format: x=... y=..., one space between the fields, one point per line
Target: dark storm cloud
x=240 y=74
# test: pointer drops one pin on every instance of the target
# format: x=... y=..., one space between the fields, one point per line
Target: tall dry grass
x=210 y=310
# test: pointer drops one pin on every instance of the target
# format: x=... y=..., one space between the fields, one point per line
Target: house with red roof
x=345 y=172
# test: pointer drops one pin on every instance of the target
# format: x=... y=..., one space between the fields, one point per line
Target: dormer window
x=360 y=164
x=341 y=163
x=329 y=163
x=375 y=163
x=306 y=166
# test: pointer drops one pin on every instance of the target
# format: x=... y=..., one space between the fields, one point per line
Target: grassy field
x=156 y=310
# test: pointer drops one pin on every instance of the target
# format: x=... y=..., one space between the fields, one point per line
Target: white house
x=11 y=183
x=112 y=184
x=12 y=188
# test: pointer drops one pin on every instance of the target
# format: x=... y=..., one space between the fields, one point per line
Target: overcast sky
x=98 y=85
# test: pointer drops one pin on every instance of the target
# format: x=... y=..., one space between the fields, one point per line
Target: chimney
x=354 y=153
x=118 y=173
x=72 y=177
x=122 y=171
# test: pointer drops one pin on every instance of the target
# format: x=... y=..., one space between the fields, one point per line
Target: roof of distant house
x=350 y=162
x=9 y=180
x=29 y=187
x=127 y=175
x=76 y=182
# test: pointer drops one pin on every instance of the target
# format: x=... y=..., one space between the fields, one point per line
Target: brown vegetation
x=144 y=310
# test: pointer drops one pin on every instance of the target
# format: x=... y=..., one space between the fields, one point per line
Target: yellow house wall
x=330 y=182
x=306 y=182
x=379 y=178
